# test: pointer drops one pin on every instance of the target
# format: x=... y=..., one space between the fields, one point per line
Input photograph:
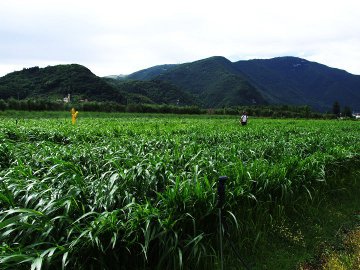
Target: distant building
x=67 y=99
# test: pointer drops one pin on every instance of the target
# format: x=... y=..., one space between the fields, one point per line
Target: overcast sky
x=120 y=37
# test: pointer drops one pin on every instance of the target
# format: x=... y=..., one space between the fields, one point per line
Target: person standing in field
x=243 y=119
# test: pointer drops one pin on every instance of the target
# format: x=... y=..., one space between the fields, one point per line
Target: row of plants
x=140 y=192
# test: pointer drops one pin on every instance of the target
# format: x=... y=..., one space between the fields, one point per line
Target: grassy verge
x=344 y=256
x=324 y=235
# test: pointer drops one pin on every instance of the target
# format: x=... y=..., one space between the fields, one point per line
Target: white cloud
x=112 y=37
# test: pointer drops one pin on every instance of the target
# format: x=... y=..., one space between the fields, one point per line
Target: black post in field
x=221 y=201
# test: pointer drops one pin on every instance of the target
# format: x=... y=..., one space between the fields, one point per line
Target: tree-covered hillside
x=215 y=82
x=152 y=92
x=56 y=82
x=281 y=80
x=291 y=80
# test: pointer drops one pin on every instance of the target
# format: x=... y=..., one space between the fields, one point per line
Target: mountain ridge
x=213 y=82
x=289 y=80
x=310 y=83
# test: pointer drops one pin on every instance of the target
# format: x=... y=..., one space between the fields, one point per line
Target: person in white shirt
x=243 y=119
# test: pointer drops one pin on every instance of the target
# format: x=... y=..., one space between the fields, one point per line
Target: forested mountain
x=291 y=80
x=282 y=80
x=56 y=82
x=214 y=82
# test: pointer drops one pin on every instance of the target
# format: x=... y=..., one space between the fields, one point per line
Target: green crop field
x=140 y=191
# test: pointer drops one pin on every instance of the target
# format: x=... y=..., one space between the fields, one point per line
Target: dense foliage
x=215 y=82
x=55 y=82
x=292 y=80
x=153 y=92
x=52 y=84
x=273 y=111
x=281 y=80
x=139 y=192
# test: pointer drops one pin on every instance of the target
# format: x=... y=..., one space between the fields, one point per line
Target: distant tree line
x=345 y=112
x=273 y=111
x=30 y=105
x=95 y=106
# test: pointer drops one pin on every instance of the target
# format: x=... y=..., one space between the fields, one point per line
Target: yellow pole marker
x=74 y=115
